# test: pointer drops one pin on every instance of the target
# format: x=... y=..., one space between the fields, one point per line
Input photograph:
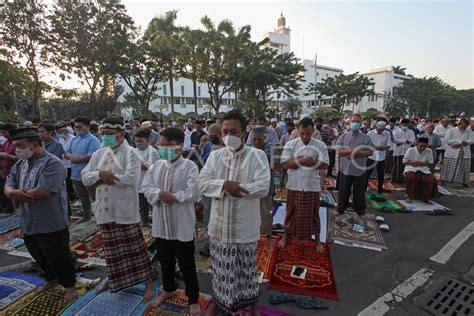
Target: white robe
x=235 y=220
x=172 y=221
x=118 y=202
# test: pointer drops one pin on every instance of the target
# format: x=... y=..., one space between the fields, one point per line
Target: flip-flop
x=280 y=298
x=384 y=228
x=310 y=303
x=379 y=219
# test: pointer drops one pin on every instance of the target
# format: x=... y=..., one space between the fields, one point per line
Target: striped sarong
x=456 y=170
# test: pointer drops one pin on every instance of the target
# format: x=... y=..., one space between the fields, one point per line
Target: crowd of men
x=121 y=172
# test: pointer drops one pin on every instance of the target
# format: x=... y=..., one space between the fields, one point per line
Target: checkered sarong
x=456 y=169
x=302 y=214
x=126 y=255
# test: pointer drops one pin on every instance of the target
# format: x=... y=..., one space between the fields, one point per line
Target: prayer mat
x=420 y=206
x=88 y=246
x=9 y=223
x=317 y=278
x=264 y=311
x=329 y=183
x=341 y=231
x=373 y=184
x=48 y=303
x=80 y=231
x=5 y=239
x=14 y=286
x=280 y=195
x=148 y=236
x=266 y=257
x=462 y=192
x=442 y=190
x=399 y=186
x=176 y=305
x=390 y=205
x=125 y=302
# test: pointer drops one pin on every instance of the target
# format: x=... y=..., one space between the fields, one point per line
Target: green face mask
x=109 y=141
x=168 y=153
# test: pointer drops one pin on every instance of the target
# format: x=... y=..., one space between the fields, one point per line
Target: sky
x=429 y=38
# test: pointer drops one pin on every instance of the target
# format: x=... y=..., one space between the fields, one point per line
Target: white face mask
x=404 y=128
x=232 y=142
x=24 y=153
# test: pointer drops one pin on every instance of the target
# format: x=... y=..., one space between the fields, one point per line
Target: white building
x=385 y=82
x=280 y=38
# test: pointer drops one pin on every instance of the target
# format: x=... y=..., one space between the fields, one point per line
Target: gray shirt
x=350 y=140
x=46 y=172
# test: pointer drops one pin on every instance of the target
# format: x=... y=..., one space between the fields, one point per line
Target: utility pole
x=315 y=65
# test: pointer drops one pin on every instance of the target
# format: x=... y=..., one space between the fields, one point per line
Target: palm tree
x=399 y=70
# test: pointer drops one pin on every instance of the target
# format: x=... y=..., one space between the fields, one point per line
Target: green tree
x=423 y=97
x=15 y=83
x=292 y=106
x=399 y=70
x=223 y=57
x=88 y=38
x=192 y=50
x=343 y=90
x=24 y=33
x=165 y=41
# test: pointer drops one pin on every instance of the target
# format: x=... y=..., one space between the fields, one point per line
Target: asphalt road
x=362 y=276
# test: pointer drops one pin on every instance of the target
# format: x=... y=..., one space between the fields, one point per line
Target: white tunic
x=235 y=220
x=149 y=155
x=400 y=137
x=66 y=142
x=118 y=202
x=172 y=221
x=379 y=140
x=304 y=179
x=413 y=154
x=441 y=131
x=454 y=136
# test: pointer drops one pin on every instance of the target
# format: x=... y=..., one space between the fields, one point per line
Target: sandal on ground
x=280 y=298
x=310 y=303
x=384 y=228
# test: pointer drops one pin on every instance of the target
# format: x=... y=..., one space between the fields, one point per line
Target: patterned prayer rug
x=80 y=231
x=126 y=302
x=345 y=230
x=5 y=239
x=48 y=303
x=280 y=195
x=264 y=311
x=373 y=184
x=177 y=305
x=317 y=278
x=326 y=199
x=203 y=264
x=266 y=256
x=420 y=206
x=88 y=246
x=9 y=223
x=14 y=286
x=329 y=183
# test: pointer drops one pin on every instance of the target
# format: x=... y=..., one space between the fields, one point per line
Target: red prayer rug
x=318 y=272
x=266 y=256
x=88 y=246
x=373 y=184
x=177 y=305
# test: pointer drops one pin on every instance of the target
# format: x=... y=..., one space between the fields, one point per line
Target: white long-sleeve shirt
x=413 y=154
x=235 y=220
x=149 y=156
x=454 y=136
x=400 y=137
x=441 y=131
x=118 y=202
x=66 y=142
x=379 y=140
x=172 y=221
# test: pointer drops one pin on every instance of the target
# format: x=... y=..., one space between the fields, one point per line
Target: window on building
x=182 y=90
x=229 y=95
x=199 y=91
x=183 y=106
x=164 y=89
x=177 y=101
x=165 y=100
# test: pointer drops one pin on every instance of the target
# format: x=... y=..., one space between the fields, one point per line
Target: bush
x=10 y=117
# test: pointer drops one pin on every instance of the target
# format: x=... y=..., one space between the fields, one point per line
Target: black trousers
x=440 y=152
x=51 y=252
x=380 y=166
x=69 y=186
x=6 y=205
x=170 y=250
x=332 y=162
x=355 y=185
x=388 y=161
x=144 y=208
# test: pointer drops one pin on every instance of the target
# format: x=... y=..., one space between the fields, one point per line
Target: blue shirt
x=54 y=147
x=46 y=172
x=84 y=145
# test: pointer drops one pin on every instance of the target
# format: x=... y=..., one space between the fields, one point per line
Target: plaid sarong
x=456 y=169
x=302 y=214
x=126 y=255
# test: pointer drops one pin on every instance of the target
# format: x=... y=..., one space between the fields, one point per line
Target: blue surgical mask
x=142 y=146
x=109 y=141
x=168 y=153
x=61 y=136
x=355 y=127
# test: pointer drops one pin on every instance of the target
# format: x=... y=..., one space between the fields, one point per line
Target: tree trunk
x=172 y=98
x=237 y=106
x=195 y=97
x=35 y=113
